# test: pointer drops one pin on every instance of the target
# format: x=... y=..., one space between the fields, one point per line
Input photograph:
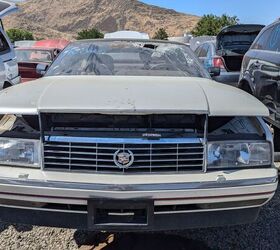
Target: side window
x=269 y=40
x=204 y=50
x=209 y=51
x=4 y=46
x=197 y=51
x=274 y=41
x=262 y=42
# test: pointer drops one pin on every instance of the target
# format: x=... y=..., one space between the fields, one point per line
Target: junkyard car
x=227 y=51
x=9 y=74
x=260 y=74
x=132 y=135
x=29 y=58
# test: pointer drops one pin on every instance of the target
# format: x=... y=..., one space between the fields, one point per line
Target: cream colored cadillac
x=132 y=135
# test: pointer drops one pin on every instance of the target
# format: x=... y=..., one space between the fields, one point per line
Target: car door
x=274 y=44
x=265 y=70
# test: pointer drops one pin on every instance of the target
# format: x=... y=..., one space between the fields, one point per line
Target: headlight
x=238 y=155
x=19 y=152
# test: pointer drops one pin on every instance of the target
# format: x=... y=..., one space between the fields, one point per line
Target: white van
x=126 y=34
x=9 y=74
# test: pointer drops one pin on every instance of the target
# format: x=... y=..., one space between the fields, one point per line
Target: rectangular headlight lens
x=19 y=152
x=239 y=154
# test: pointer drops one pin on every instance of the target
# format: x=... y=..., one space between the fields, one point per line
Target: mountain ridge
x=65 y=18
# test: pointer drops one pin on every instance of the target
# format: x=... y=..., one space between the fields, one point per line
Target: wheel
x=6 y=85
x=276 y=139
x=246 y=88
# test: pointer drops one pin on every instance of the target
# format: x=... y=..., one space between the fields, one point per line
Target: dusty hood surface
x=128 y=95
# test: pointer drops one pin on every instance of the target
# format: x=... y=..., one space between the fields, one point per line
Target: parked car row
x=19 y=65
x=227 y=50
x=248 y=57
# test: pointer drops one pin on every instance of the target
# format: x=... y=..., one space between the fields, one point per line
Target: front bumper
x=170 y=201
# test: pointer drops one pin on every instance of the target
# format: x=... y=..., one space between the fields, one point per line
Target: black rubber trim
x=161 y=222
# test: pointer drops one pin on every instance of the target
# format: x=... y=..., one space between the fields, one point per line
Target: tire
x=277 y=156
x=277 y=140
x=7 y=85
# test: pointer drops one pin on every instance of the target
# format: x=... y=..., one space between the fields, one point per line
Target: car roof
x=211 y=42
x=277 y=21
x=7 y=8
x=35 y=48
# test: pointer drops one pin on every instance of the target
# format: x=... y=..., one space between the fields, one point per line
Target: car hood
x=128 y=95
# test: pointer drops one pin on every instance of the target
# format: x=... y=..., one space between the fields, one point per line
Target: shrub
x=90 y=34
x=19 y=35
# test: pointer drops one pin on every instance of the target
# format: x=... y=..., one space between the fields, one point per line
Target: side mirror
x=41 y=69
x=214 y=71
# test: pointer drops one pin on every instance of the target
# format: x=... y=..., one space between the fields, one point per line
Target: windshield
x=134 y=58
x=33 y=55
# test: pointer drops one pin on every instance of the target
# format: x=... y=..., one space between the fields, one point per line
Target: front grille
x=149 y=157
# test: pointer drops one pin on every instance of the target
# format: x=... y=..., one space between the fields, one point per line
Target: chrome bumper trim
x=138 y=187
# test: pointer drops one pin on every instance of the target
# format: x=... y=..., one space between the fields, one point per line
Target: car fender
x=246 y=80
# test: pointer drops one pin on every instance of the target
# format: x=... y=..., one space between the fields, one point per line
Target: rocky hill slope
x=64 y=18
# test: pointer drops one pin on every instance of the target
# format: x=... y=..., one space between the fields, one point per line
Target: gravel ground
x=264 y=234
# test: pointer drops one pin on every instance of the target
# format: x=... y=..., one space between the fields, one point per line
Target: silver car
x=227 y=50
x=132 y=135
x=9 y=73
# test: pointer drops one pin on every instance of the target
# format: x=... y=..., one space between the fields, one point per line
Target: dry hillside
x=64 y=18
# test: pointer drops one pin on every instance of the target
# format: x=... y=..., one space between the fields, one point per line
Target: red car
x=29 y=58
x=42 y=52
x=52 y=43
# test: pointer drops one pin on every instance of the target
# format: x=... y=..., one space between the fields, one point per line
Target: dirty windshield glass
x=134 y=58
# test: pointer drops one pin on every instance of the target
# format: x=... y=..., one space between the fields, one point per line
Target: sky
x=248 y=11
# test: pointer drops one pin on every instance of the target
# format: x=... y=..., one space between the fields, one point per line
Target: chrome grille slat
x=169 y=166
x=168 y=160
x=108 y=154
x=113 y=166
x=116 y=148
x=149 y=157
